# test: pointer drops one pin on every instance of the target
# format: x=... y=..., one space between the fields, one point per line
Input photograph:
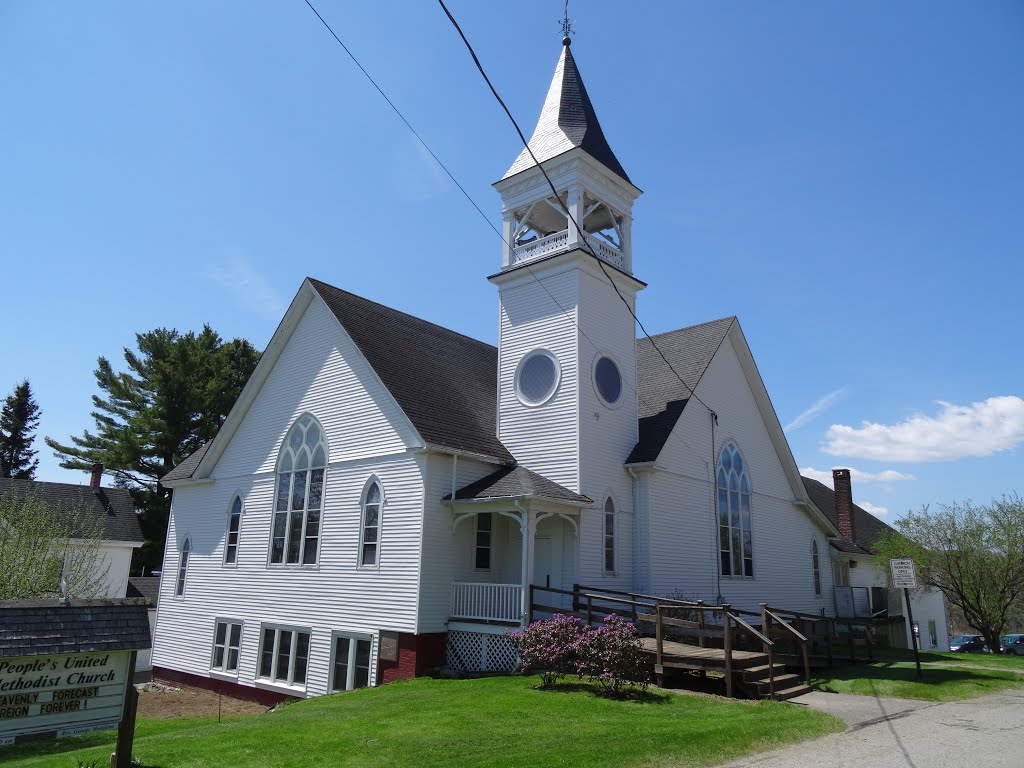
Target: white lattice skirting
x=479 y=652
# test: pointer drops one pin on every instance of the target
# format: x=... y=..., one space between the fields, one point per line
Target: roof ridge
x=731 y=318
x=417 y=318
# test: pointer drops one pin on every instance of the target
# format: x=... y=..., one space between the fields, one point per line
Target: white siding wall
x=607 y=434
x=683 y=535
x=320 y=372
x=928 y=605
x=542 y=438
x=116 y=558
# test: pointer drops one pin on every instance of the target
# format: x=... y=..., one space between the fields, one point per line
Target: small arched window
x=179 y=585
x=295 y=536
x=735 y=539
x=609 y=535
x=816 y=568
x=234 y=525
x=369 y=550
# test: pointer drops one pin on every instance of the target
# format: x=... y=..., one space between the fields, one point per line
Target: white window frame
x=741 y=477
x=374 y=480
x=291 y=453
x=519 y=368
x=608 y=535
x=228 y=546
x=489 y=546
x=815 y=568
x=181 y=575
x=226 y=647
x=353 y=638
x=622 y=381
x=289 y=681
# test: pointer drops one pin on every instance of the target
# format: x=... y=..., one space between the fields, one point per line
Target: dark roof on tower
x=866 y=527
x=446 y=383
x=661 y=396
x=110 y=510
x=567 y=120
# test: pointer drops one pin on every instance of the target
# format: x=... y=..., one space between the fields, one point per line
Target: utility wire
x=579 y=230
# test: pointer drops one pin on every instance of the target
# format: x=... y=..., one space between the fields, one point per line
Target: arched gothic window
x=735 y=542
x=369 y=550
x=234 y=524
x=816 y=568
x=179 y=585
x=295 y=535
x=609 y=535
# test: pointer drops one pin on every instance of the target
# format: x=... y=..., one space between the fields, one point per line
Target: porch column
x=528 y=527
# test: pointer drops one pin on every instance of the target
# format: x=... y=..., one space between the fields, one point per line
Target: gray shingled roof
x=661 y=396
x=146 y=587
x=444 y=382
x=567 y=120
x=38 y=627
x=866 y=527
x=111 y=508
x=517 y=482
x=189 y=465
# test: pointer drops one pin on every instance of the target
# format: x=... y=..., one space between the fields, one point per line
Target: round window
x=537 y=377
x=608 y=380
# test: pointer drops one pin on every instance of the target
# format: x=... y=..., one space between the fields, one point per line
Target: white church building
x=385 y=490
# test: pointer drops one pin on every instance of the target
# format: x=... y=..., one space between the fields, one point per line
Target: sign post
x=903 y=577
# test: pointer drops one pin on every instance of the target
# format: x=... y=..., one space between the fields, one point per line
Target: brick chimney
x=844 y=502
x=97 y=476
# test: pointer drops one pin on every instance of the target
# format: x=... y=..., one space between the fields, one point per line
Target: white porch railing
x=542 y=247
x=607 y=252
x=487 y=602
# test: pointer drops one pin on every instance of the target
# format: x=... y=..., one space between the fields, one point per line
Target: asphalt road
x=895 y=733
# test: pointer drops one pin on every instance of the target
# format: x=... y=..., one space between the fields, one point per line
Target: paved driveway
x=895 y=733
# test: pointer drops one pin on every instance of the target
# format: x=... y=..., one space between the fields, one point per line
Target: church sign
x=66 y=668
x=70 y=694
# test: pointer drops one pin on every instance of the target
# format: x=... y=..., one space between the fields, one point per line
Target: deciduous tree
x=173 y=397
x=974 y=554
x=19 y=418
x=39 y=545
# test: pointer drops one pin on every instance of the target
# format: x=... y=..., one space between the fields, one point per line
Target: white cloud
x=251 y=289
x=956 y=431
x=879 y=512
x=856 y=475
x=821 y=405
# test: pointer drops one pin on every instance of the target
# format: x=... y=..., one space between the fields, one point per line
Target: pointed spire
x=567 y=120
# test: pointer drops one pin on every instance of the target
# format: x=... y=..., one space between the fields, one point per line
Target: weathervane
x=566 y=25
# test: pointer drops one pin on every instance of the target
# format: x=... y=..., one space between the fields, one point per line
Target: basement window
x=351 y=666
x=284 y=655
x=227 y=643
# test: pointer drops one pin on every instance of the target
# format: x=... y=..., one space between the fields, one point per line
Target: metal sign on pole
x=904 y=577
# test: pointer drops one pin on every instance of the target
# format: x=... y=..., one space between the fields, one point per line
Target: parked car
x=968 y=644
x=1012 y=644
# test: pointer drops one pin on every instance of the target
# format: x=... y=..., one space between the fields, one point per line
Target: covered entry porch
x=513 y=530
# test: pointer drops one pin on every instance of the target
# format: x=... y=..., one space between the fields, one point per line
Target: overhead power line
x=579 y=229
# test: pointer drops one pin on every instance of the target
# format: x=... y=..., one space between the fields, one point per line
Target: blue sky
x=847 y=178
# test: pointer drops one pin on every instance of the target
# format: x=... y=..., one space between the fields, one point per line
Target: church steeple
x=567 y=120
x=592 y=190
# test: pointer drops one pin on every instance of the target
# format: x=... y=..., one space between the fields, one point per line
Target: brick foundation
x=235 y=690
x=417 y=654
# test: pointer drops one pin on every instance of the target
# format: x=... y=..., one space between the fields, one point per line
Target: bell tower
x=567 y=345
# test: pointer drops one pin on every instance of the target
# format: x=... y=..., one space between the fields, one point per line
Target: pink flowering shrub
x=549 y=646
x=612 y=656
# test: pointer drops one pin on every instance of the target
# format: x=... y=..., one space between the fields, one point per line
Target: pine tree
x=173 y=397
x=18 y=421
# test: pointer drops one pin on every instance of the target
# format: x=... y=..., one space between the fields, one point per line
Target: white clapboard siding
x=542 y=438
x=319 y=372
x=683 y=534
x=607 y=434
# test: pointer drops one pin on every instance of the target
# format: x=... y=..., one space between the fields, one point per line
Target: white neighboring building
x=385 y=490
x=861 y=587
x=111 y=510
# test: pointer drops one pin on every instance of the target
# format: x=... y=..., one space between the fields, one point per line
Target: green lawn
x=494 y=721
x=898 y=679
x=997 y=660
